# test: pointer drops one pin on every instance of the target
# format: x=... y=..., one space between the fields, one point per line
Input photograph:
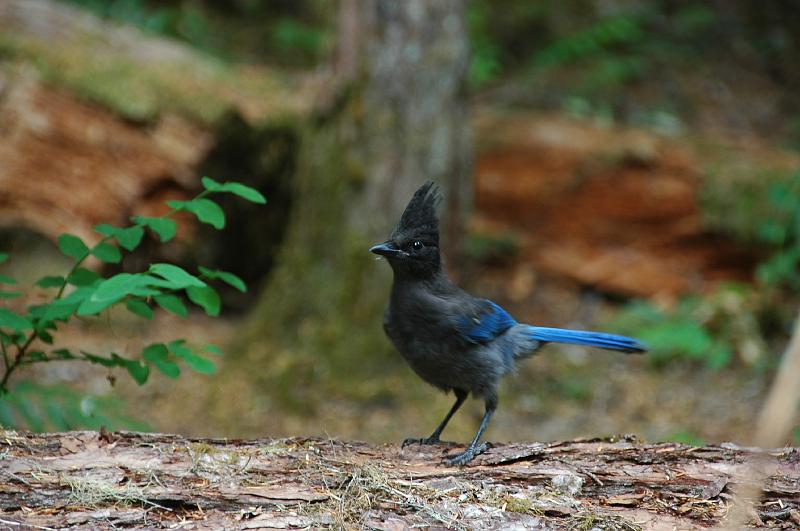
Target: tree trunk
x=395 y=118
x=414 y=123
x=89 y=480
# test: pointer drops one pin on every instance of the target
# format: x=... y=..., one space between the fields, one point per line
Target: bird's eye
x=417 y=245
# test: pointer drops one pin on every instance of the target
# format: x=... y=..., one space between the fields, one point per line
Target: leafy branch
x=82 y=292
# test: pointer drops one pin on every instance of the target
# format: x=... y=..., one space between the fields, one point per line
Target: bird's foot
x=426 y=440
x=468 y=455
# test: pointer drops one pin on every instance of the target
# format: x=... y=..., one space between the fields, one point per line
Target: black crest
x=420 y=217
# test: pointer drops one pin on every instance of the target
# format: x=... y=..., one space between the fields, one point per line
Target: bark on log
x=89 y=480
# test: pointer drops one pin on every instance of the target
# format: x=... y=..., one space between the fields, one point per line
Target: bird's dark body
x=452 y=340
x=422 y=321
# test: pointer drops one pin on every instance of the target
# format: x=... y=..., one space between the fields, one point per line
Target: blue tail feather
x=579 y=337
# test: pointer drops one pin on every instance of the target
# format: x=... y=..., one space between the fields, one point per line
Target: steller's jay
x=451 y=339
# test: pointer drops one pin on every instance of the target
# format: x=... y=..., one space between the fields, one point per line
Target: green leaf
x=178 y=277
x=17 y=338
x=107 y=253
x=205 y=297
x=179 y=347
x=72 y=246
x=213 y=349
x=50 y=282
x=129 y=238
x=228 y=278
x=138 y=370
x=83 y=277
x=44 y=336
x=158 y=355
x=100 y=360
x=200 y=364
x=207 y=211
x=59 y=309
x=10 y=294
x=35 y=356
x=63 y=354
x=195 y=362
x=243 y=191
x=140 y=308
x=4 y=257
x=62 y=308
x=171 y=303
x=164 y=227
x=105 y=229
x=210 y=184
x=110 y=291
x=146 y=289
x=155 y=351
x=155 y=283
x=177 y=205
x=7 y=280
x=14 y=321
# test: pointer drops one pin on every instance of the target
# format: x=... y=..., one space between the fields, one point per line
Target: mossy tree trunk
x=397 y=115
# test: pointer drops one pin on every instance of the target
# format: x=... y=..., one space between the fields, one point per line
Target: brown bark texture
x=413 y=58
x=90 y=480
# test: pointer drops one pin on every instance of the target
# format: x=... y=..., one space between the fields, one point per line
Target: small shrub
x=780 y=229
x=710 y=330
x=27 y=337
x=39 y=407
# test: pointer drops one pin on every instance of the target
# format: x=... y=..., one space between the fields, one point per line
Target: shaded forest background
x=636 y=169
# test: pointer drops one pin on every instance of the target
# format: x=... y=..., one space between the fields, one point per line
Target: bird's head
x=413 y=247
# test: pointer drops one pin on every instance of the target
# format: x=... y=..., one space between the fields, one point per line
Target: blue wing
x=485 y=323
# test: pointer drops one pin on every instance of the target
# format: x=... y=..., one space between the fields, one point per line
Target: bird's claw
x=425 y=440
x=468 y=455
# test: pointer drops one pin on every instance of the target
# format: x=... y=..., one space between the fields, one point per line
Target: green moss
x=591 y=521
x=521 y=505
x=318 y=324
x=141 y=90
x=201 y=448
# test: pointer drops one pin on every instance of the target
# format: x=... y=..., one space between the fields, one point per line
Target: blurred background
x=624 y=165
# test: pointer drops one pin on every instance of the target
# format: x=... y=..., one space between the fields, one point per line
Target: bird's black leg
x=474 y=448
x=434 y=438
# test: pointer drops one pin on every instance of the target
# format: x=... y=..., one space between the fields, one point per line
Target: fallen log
x=101 y=121
x=91 y=480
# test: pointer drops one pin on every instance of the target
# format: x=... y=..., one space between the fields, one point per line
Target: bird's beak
x=385 y=249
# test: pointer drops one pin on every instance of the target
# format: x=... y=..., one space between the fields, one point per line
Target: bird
x=451 y=339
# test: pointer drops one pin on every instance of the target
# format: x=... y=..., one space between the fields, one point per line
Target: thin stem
x=17 y=361
x=75 y=267
x=6 y=363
